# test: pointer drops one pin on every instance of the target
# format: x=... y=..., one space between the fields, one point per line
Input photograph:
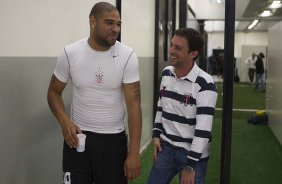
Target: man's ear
x=92 y=21
x=194 y=54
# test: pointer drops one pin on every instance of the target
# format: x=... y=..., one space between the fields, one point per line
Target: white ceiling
x=245 y=12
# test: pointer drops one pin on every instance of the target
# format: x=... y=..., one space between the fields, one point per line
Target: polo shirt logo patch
x=186 y=100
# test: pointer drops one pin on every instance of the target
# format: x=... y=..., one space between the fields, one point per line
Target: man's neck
x=184 y=70
x=95 y=46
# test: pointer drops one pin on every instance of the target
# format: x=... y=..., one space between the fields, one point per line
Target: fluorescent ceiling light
x=275 y=5
x=266 y=13
x=253 y=24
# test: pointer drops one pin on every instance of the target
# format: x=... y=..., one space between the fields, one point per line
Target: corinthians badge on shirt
x=186 y=99
x=99 y=76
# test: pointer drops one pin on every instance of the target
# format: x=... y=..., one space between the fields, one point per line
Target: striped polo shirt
x=185 y=112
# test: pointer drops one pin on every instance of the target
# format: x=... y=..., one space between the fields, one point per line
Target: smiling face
x=180 y=54
x=105 y=29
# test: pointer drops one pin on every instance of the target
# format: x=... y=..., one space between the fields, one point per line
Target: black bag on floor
x=259 y=119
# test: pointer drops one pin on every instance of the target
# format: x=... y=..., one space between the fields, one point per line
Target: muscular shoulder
x=122 y=49
x=76 y=46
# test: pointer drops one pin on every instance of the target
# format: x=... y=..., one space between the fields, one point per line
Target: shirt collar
x=192 y=75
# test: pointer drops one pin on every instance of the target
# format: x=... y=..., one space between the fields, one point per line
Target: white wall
x=138 y=29
x=203 y=9
x=274 y=81
x=42 y=28
x=138 y=26
x=216 y=40
x=252 y=38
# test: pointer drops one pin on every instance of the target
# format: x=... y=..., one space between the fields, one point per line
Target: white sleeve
x=247 y=61
x=131 y=70
x=62 y=70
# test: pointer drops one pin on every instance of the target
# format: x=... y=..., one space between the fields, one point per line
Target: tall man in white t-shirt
x=104 y=74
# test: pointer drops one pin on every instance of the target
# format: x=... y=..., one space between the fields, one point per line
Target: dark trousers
x=251 y=74
x=102 y=162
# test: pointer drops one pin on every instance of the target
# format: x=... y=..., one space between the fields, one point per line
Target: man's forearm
x=133 y=102
x=135 y=130
x=57 y=107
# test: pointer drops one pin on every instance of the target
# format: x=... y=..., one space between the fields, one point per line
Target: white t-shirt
x=97 y=78
x=250 y=61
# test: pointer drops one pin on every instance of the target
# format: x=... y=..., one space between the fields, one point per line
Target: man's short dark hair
x=101 y=7
x=261 y=55
x=194 y=39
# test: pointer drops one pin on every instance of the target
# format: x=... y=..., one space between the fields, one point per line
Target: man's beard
x=104 y=42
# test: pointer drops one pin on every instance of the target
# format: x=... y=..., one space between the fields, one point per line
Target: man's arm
x=56 y=105
x=132 y=96
x=247 y=61
x=158 y=126
x=157 y=130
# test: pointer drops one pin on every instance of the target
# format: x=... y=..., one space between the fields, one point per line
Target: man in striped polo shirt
x=183 y=124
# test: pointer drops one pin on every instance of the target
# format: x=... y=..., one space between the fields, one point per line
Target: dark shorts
x=102 y=162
